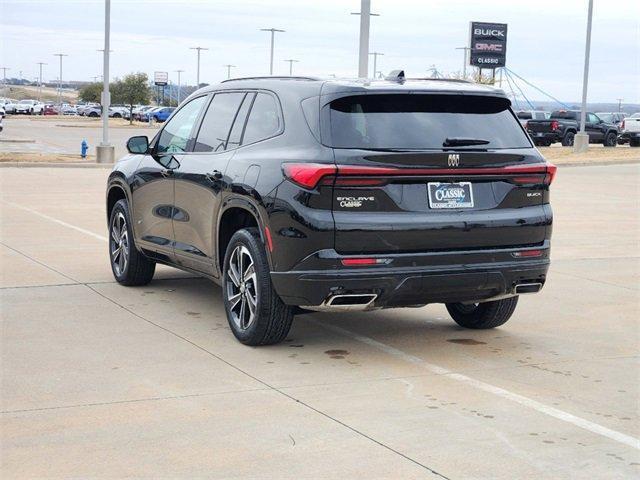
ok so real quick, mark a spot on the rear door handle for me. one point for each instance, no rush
(214, 176)
(166, 172)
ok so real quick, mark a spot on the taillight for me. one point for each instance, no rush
(362, 262)
(526, 125)
(622, 125)
(307, 174)
(554, 125)
(527, 253)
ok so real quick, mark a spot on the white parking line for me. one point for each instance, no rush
(486, 387)
(55, 220)
(500, 392)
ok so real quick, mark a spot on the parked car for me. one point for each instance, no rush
(50, 109)
(29, 107)
(144, 116)
(119, 111)
(92, 111)
(138, 113)
(8, 104)
(631, 130)
(67, 109)
(563, 125)
(526, 115)
(1, 127)
(341, 195)
(2, 112)
(161, 114)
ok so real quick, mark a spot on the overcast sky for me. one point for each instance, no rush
(545, 40)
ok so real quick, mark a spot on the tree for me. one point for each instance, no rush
(131, 90)
(91, 93)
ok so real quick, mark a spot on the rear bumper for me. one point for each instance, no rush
(629, 135)
(429, 278)
(545, 136)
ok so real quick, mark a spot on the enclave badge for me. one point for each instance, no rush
(453, 160)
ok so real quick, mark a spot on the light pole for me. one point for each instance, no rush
(581, 140)
(375, 61)
(198, 49)
(60, 77)
(179, 85)
(464, 61)
(291, 62)
(4, 75)
(273, 33)
(620, 103)
(40, 64)
(105, 152)
(229, 67)
(365, 21)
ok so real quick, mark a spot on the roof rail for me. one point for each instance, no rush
(271, 77)
(452, 80)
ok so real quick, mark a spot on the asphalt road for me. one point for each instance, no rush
(100, 380)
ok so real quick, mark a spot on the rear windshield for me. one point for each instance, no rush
(416, 121)
(524, 115)
(564, 115)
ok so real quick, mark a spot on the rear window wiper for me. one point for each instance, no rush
(461, 142)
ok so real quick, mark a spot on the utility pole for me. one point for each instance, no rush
(273, 34)
(105, 152)
(229, 67)
(60, 77)
(4, 75)
(291, 62)
(375, 61)
(198, 49)
(581, 140)
(620, 103)
(363, 52)
(40, 64)
(464, 61)
(179, 85)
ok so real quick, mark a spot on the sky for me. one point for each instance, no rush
(546, 39)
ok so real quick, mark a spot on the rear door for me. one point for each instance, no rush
(594, 128)
(433, 172)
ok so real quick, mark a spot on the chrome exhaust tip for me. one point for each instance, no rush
(526, 288)
(345, 302)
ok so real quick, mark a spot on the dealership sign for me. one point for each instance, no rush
(161, 78)
(488, 44)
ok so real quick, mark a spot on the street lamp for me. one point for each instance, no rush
(365, 21)
(4, 75)
(273, 32)
(179, 87)
(464, 61)
(229, 67)
(60, 76)
(375, 62)
(105, 152)
(291, 62)
(581, 140)
(198, 49)
(40, 64)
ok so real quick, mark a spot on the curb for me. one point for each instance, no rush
(54, 165)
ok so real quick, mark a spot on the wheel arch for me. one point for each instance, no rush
(237, 213)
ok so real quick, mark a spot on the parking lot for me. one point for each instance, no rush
(100, 380)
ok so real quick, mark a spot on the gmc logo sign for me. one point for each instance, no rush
(489, 47)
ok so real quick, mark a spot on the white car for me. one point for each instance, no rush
(8, 104)
(631, 130)
(2, 113)
(29, 107)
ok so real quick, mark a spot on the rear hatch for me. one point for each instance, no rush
(422, 172)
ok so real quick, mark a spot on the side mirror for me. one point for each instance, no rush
(138, 144)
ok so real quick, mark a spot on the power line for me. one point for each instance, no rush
(538, 89)
(520, 90)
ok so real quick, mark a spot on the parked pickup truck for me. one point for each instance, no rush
(631, 130)
(563, 126)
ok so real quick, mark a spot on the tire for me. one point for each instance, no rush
(634, 142)
(117, 115)
(610, 139)
(567, 140)
(129, 266)
(483, 315)
(245, 282)
(93, 114)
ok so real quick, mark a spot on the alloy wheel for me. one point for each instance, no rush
(119, 244)
(242, 288)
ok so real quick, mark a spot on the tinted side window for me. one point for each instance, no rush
(235, 138)
(217, 122)
(176, 133)
(592, 118)
(264, 119)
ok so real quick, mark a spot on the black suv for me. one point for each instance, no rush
(300, 194)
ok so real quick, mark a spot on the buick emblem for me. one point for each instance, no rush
(453, 160)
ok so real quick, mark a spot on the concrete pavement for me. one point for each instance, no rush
(100, 380)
